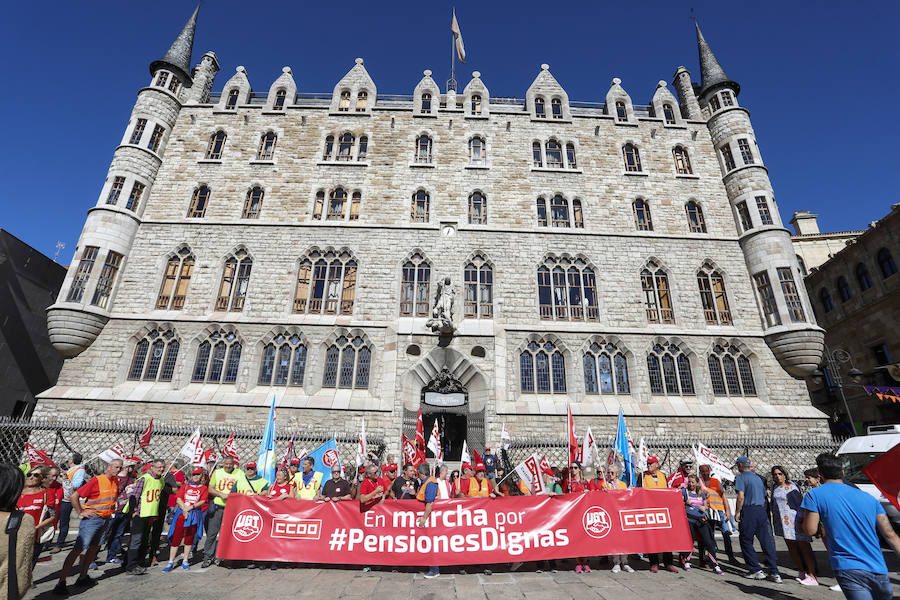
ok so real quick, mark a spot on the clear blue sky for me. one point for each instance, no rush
(820, 79)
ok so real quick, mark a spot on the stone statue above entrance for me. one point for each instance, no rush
(441, 320)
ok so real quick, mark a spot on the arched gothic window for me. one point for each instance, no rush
(231, 102)
(319, 205)
(825, 297)
(344, 104)
(577, 214)
(235, 281)
(713, 297)
(347, 364)
(328, 154)
(730, 372)
(477, 151)
(362, 101)
(476, 104)
(696, 222)
(199, 201)
(537, 156)
(642, 218)
(886, 263)
(559, 212)
(844, 289)
(556, 108)
(554, 154)
(605, 370)
(542, 369)
(337, 203)
(571, 161)
(682, 160)
(668, 114)
(479, 289)
(280, 97)
(253, 203)
(345, 147)
(670, 371)
(363, 148)
(216, 145)
(632, 158)
(283, 361)
(218, 358)
(176, 281)
(266, 146)
(426, 103)
(414, 291)
(326, 283)
(420, 207)
(567, 290)
(862, 277)
(621, 111)
(657, 297)
(423, 149)
(477, 209)
(354, 206)
(540, 110)
(154, 357)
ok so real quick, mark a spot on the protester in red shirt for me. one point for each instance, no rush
(598, 482)
(680, 476)
(462, 484)
(282, 487)
(389, 473)
(188, 514)
(32, 500)
(370, 491)
(578, 486)
(174, 476)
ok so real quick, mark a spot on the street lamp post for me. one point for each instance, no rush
(839, 355)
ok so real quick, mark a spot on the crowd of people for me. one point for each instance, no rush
(151, 502)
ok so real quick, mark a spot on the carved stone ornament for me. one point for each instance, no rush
(441, 320)
(444, 383)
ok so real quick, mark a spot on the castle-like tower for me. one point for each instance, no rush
(488, 260)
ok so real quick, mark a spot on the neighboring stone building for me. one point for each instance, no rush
(856, 294)
(29, 364)
(812, 246)
(245, 244)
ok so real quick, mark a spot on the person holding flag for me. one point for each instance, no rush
(188, 516)
(221, 483)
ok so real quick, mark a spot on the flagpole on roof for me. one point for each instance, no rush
(451, 83)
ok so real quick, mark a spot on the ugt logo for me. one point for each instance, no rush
(247, 525)
(330, 458)
(596, 522)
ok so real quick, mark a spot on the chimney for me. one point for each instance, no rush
(805, 222)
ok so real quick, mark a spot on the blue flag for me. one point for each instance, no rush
(621, 447)
(326, 456)
(265, 460)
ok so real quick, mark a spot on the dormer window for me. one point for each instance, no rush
(426, 103)
(621, 113)
(476, 104)
(344, 104)
(280, 96)
(231, 102)
(556, 108)
(539, 109)
(362, 101)
(668, 114)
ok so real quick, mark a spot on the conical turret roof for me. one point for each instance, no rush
(711, 72)
(178, 57)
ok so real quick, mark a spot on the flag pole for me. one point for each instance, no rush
(451, 84)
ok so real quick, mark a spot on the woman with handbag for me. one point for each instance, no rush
(36, 501)
(786, 498)
(16, 535)
(696, 505)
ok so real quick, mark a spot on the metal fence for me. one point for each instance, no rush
(60, 439)
(793, 453)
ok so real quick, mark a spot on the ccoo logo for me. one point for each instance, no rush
(330, 458)
(247, 525)
(596, 522)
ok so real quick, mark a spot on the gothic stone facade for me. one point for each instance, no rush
(242, 219)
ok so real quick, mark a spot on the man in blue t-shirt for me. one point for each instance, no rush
(852, 520)
(753, 521)
(428, 493)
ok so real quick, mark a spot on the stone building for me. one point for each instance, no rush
(856, 295)
(248, 243)
(814, 247)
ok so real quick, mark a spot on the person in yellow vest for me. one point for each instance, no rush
(654, 479)
(308, 481)
(221, 484)
(480, 486)
(144, 510)
(255, 483)
(99, 496)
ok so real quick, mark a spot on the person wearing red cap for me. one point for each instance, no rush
(293, 469)
(258, 484)
(462, 484)
(388, 475)
(654, 479)
(188, 516)
(480, 486)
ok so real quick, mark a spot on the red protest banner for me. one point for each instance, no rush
(458, 532)
(884, 474)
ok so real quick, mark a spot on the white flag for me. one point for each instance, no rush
(588, 448)
(504, 437)
(193, 449)
(434, 444)
(643, 455)
(530, 474)
(718, 468)
(114, 452)
(361, 450)
(466, 457)
(457, 38)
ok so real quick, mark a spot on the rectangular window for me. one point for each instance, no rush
(746, 153)
(135, 197)
(107, 279)
(791, 296)
(115, 190)
(765, 217)
(767, 298)
(156, 138)
(173, 85)
(85, 266)
(714, 103)
(728, 157)
(726, 98)
(744, 215)
(138, 131)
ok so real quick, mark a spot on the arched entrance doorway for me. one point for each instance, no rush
(445, 400)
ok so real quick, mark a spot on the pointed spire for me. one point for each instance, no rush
(178, 57)
(711, 72)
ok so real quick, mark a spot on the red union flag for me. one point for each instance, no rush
(145, 436)
(411, 454)
(457, 532)
(885, 475)
(545, 466)
(37, 457)
(530, 473)
(230, 448)
(420, 434)
(573, 439)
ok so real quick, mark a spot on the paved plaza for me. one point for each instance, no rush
(220, 583)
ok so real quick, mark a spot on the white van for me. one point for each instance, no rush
(857, 452)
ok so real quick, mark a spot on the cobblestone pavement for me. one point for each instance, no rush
(222, 583)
